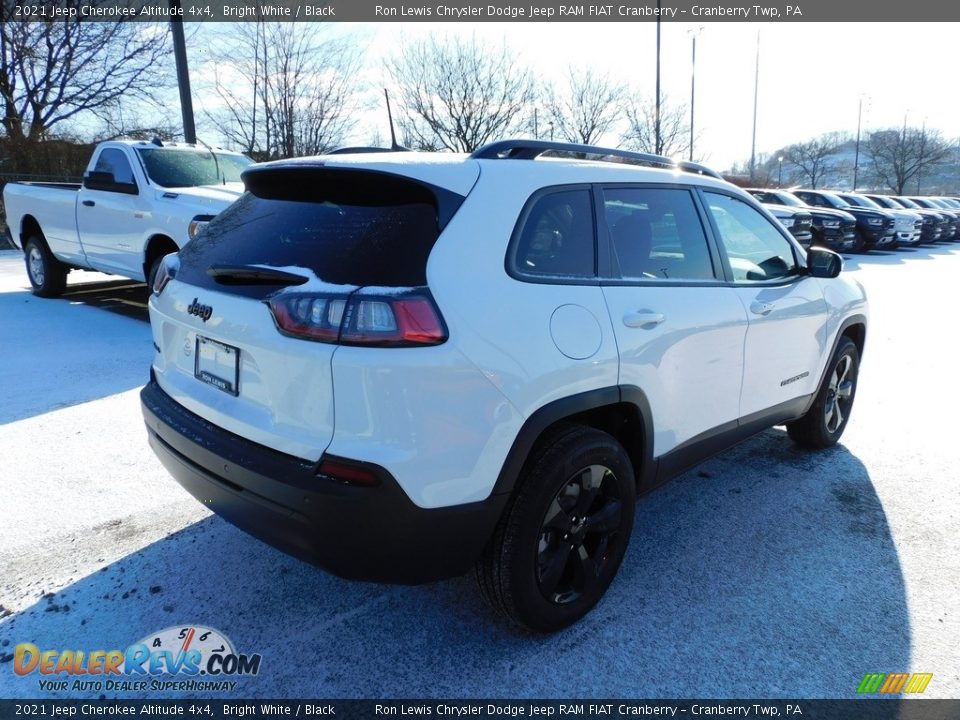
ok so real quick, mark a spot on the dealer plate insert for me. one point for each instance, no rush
(217, 364)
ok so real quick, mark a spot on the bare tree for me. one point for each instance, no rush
(641, 133)
(899, 156)
(813, 156)
(51, 71)
(458, 95)
(587, 108)
(285, 88)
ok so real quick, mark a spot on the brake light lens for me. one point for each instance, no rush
(166, 272)
(407, 317)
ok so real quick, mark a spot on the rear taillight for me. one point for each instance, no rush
(166, 272)
(404, 318)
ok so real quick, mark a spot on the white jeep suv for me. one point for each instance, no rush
(400, 366)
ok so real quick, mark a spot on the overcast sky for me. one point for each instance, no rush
(812, 75)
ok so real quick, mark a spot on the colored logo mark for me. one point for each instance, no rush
(894, 683)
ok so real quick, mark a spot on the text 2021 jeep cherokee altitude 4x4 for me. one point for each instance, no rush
(401, 366)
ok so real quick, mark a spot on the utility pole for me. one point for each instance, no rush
(756, 88)
(183, 74)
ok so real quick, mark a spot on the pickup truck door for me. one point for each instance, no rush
(111, 215)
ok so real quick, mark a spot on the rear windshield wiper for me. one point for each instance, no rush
(253, 275)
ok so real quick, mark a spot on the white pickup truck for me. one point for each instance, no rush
(138, 202)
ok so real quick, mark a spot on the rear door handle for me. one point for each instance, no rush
(761, 308)
(89, 203)
(642, 318)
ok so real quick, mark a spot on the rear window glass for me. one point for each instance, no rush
(556, 237)
(370, 230)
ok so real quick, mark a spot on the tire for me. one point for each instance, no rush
(48, 276)
(827, 418)
(152, 272)
(561, 540)
(860, 245)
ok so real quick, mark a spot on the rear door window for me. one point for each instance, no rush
(656, 234)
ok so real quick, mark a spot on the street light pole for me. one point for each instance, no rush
(856, 156)
(780, 171)
(693, 81)
(923, 149)
(659, 148)
(756, 88)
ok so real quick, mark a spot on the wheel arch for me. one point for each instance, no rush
(620, 411)
(854, 328)
(157, 246)
(29, 226)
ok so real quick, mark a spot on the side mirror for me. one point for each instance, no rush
(99, 181)
(823, 263)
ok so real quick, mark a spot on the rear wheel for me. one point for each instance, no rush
(562, 539)
(826, 420)
(48, 276)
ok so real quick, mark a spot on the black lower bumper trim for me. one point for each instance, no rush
(360, 533)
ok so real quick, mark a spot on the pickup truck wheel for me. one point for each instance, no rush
(154, 269)
(48, 276)
(562, 539)
(860, 243)
(826, 420)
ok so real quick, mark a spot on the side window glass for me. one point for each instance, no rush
(557, 237)
(114, 161)
(756, 249)
(656, 233)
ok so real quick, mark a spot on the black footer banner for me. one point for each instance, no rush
(866, 709)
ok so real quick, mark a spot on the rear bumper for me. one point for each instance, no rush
(355, 532)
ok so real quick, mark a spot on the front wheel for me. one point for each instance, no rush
(48, 276)
(826, 420)
(562, 539)
(860, 244)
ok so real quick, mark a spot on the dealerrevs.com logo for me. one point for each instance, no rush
(179, 658)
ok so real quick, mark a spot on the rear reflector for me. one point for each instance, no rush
(349, 474)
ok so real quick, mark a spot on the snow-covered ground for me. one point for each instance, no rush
(766, 571)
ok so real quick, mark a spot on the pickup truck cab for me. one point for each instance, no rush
(138, 202)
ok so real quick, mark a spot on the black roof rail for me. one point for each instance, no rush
(531, 149)
(367, 149)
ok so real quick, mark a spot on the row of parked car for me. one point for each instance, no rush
(857, 222)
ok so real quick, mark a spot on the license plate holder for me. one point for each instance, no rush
(217, 364)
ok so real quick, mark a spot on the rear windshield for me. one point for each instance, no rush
(346, 227)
